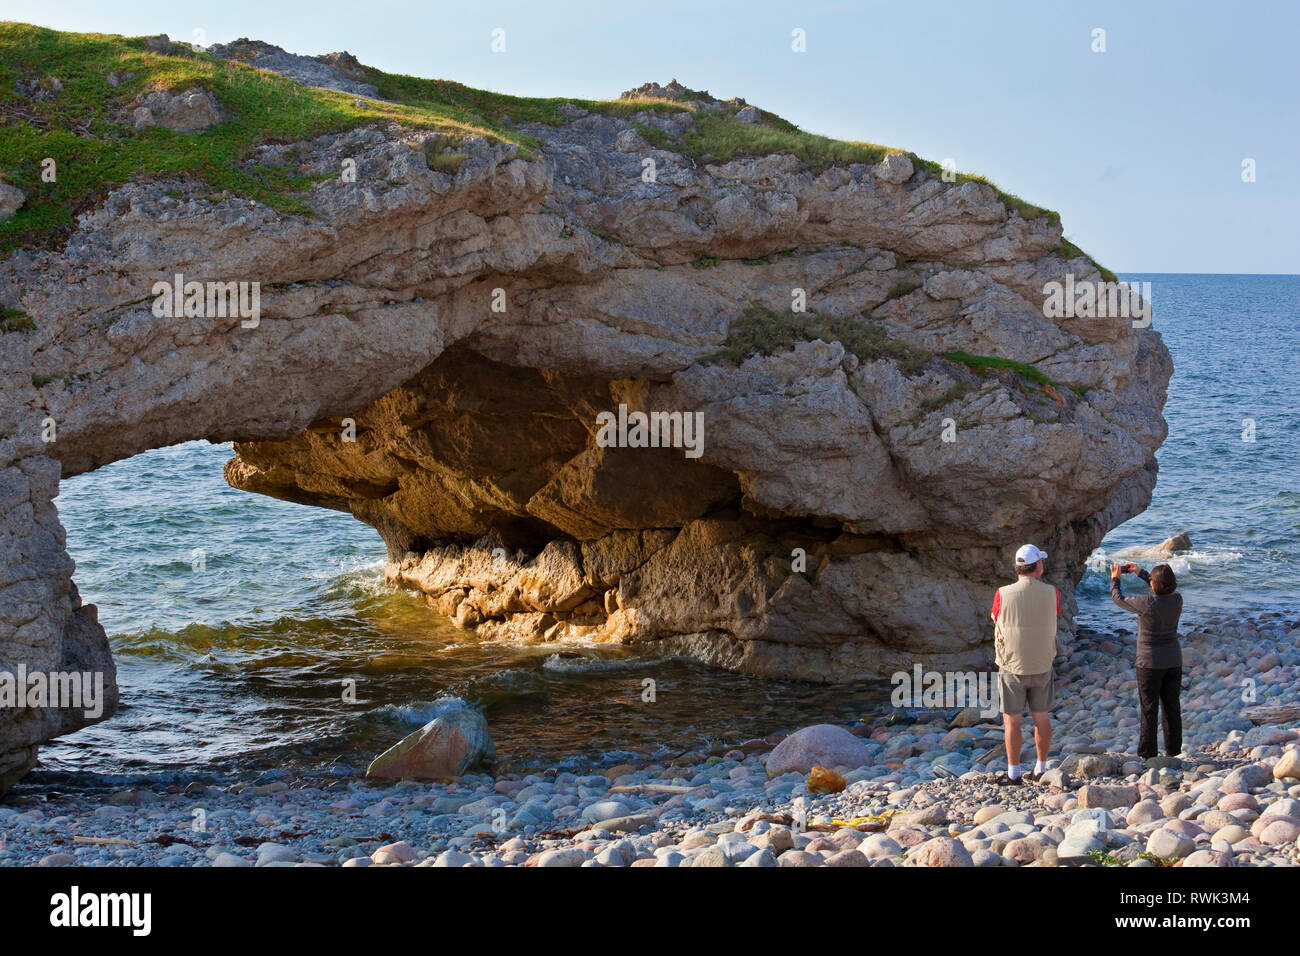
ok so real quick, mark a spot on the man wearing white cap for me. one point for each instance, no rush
(1024, 638)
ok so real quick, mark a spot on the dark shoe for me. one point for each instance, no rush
(1005, 781)
(1030, 777)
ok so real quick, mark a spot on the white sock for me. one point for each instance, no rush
(1013, 771)
(1040, 766)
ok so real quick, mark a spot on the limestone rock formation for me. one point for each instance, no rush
(437, 341)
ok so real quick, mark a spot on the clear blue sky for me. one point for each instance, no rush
(1140, 147)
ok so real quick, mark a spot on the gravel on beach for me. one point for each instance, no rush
(1232, 799)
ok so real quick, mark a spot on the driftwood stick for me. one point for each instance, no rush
(1273, 715)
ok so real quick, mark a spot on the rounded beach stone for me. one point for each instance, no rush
(1166, 843)
(825, 745)
(940, 851)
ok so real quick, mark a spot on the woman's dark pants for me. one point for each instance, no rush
(1158, 689)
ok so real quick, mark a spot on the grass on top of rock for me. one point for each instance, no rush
(759, 330)
(56, 103)
(1069, 250)
(718, 137)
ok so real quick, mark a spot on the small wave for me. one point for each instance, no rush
(420, 712)
(1100, 560)
(352, 569)
(558, 663)
(1185, 562)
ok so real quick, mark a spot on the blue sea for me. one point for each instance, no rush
(238, 622)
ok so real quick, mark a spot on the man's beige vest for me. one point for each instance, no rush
(1024, 634)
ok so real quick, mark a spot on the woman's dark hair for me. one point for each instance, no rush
(1163, 580)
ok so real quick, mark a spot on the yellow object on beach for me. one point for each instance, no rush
(869, 818)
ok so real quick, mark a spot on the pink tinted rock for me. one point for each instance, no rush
(848, 858)
(940, 851)
(1279, 831)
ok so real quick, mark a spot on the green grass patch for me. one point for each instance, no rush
(1158, 860)
(719, 137)
(16, 320)
(85, 130)
(983, 363)
(1068, 250)
(763, 331)
(655, 137)
(1104, 858)
(497, 112)
(441, 154)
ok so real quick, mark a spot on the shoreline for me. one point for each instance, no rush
(722, 809)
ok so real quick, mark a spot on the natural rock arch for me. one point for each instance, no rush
(475, 454)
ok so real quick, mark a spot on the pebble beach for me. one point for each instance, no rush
(924, 795)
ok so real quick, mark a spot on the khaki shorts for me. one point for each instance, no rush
(1015, 689)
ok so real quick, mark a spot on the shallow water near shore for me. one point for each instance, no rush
(236, 619)
(241, 663)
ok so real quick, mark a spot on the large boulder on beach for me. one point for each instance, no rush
(824, 745)
(444, 748)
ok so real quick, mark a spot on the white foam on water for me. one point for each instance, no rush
(359, 571)
(421, 712)
(1100, 560)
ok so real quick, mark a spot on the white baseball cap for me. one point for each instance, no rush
(1029, 554)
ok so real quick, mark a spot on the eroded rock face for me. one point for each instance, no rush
(473, 326)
